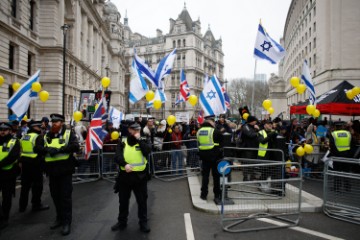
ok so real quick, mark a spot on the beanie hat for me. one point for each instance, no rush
(251, 119)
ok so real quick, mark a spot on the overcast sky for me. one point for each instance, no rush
(235, 21)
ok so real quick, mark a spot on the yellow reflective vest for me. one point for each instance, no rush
(262, 147)
(27, 143)
(205, 138)
(342, 139)
(134, 157)
(58, 143)
(4, 152)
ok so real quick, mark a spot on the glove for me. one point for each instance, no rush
(52, 151)
(63, 150)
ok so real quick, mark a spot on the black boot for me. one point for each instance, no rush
(55, 224)
(144, 227)
(118, 226)
(66, 229)
(40, 207)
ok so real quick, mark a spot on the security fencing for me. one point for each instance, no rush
(87, 170)
(271, 194)
(175, 164)
(109, 168)
(342, 189)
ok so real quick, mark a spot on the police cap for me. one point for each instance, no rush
(135, 126)
(210, 117)
(57, 117)
(5, 125)
(35, 124)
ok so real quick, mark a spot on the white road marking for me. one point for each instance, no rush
(300, 229)
(188, 227)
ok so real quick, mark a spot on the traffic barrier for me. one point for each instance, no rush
(87, 170)
(268, 195)
(342, 189)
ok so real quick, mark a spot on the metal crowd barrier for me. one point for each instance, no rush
(271, 196)
(175, 164)
(109, 168)
(87, 170)
(342, 189)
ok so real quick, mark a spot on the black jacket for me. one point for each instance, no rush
(217, 152)
(13, 156)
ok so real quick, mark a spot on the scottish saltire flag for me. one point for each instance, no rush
(306, 77)
(96, 132)
(212, 99)
(226, 97)
(162, 70)
(138, 86)
(200, 117)
(159, 95)
(116, 117)
(184, 89)
(267, 48)
(20, 101)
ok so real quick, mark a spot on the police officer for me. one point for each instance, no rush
(131, 155)
(60, 145)
(341, 145)
(210, 143)
(32, 166)
(9, 154)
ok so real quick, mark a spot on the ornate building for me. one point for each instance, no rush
(325, 33)
(31, 38)
(197, 54)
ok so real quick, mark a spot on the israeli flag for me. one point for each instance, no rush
(306, 77)
(144, 69)
(20, 101)
(138, 86)
(116, 117)
(267, 48)
(159, 95)
(212, 98)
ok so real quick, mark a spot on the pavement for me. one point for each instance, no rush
(250, 200)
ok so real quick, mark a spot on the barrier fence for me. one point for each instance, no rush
(87, 170)
(270, 194)
(342, 189)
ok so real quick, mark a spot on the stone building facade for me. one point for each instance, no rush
(325, 33)
(31, 38)
(198, 54)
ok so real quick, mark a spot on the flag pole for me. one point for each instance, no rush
(253, 89)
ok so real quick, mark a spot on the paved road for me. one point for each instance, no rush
(95, 209)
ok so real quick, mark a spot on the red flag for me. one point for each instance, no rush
(200, 118)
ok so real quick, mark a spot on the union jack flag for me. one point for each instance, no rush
(184, 89)
(226, 96)
(200, 118)
(96, 133)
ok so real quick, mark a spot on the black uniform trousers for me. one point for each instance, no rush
(31, 178)
(136, 182)
(61, 191)
(7, 187)
(208, 165)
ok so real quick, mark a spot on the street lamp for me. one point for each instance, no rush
(64, 28)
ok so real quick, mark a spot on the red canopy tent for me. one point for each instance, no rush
(333, 102)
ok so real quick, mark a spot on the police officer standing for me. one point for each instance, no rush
(32, 168)
(9, 154)
(60, 145)
(131, 155)
(210, 151)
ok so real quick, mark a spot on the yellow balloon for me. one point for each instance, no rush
(15, 86)
(149, 95)
(300, 151)
(301, 88)
(316, 113)
(245, 116)
(170, 130)
(308, 148)
(350, 94)
(310, 109)
(295, 81)
(193, 100)
(157, 104)
(25, 118)
(356, 90)
(77, 116)
(115, 135)
(171, 119)
(105, 82)
(36, 87)
(1, 80)
(44, 96)
(271, 110)
(267, 104)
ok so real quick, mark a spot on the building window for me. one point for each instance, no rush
(179, 43)
(14, 8)
(309, 62)
(314, 74)
(32, 15)
(314, 57)
(174, 44)
(314, 45)
(30, 63)
(11, 57)
(314, 11)
(310, 47)
(309, 32)
(314, 28)
(184, 42)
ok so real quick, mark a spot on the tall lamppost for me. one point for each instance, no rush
(64, 28)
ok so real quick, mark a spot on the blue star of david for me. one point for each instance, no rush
(211, 95)
(266, 46)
